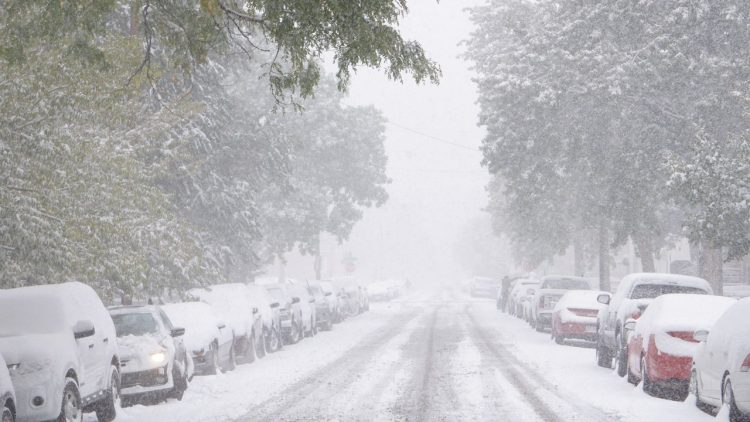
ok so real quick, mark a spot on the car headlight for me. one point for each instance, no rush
(13, 367)
(158, 357)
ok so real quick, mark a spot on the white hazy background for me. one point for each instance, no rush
(437, 188)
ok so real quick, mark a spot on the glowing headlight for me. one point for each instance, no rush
(158, 357)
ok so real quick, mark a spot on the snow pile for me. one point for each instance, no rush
(199, 321)
(231, 302)
(680, 313)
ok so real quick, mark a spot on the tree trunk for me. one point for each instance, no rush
(318, 264)
(579, 260)
(711, 266)
(282, 268)
(604, 257)
(645, 249)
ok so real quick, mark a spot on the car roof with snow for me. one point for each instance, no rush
(688, 312)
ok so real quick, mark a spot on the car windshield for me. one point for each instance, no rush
(134, 324)
(31, 315)
(651, 291)
(565, 284)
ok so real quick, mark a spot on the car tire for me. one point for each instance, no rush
(622, 356)
(180, 381)
(274, 343)
(559, 339)
(603, 356)
(727, 398)
(631, 377)
(106, 410)
(648, 388)
(314, 329)
(7, 415)
(70, 409)
(215, 366)
(259, 347)
(232, 362)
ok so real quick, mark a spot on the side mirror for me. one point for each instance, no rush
(295, 300)
(275, 305)
(603, 299)
(177, 332)
(700, 335)
(629, 325)
(221, 325)
(255, 310)
(83, 329)
(327, 293)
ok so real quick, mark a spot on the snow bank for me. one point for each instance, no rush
(199, 321)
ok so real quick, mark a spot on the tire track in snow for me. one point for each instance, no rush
(548, 403)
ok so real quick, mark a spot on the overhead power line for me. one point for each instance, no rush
(434, 138)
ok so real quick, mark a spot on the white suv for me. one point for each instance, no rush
(60, 345)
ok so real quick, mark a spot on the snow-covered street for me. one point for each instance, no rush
(424, 357)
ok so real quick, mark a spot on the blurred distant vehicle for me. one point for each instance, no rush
(207, 338)
(662, 343)
(234, 306)
(721, 364)
(270, 315)
(633, 295)
(153, 360)
(325, 305)
(333, 298)
(351, 295)
(551, 289)
(484, 287)
(7, 394)
(307, 305)
(290, 312)
(60, 348)
(385, 290)
(574, 315)
(522, 289)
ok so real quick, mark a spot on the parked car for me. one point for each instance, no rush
(633, 295)
(208, 339)
(7, 394)
(484, 287)
(269, 312)
(309, 310)
(551, 289)
(60, 345)
(384, 290)
(721, 364)
(153, 361)
(233, 304)
(290, 312)
(662, 344)
(574, 315)
(519, 294)
(333, 298)
(350, 294)
(324, 305)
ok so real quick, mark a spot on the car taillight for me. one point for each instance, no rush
(584, 312)
(745, 364)
(683, 335)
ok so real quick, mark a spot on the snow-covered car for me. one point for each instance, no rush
(333, 299)
(351, 297)
(233, 304)
(60, 345)
(153, 361)
(484, 287)
(661, 344)
(324, 307)
(269, 312)
(208, 339)
(721, 364)
(290, 311)
(574, 315)
(381, 291)
(307, 305)
(632, 297)
(7, 394)
(520, 293)
(551, 289)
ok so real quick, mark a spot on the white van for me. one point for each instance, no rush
(60, 345)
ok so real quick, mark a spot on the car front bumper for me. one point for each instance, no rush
(145, 382)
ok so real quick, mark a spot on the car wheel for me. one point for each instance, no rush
(259, 347)
(215, 367)
(559, 339)
(106, 411)
(648, 388)
(603, 356)
(727, 398)
(622, 357)
(631, 376)
(7, 413)
(180, 381)
(232, 362)
(273, 341)
(294, 333)
(71, 409)
(314, 328)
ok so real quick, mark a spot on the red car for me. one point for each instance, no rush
(574, 315)
(661, 343)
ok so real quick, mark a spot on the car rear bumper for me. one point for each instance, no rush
(668, 368)
(577, 330)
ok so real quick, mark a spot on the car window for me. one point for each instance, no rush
(650, 291)
(165, 320)
(135, 324)
(566, 284)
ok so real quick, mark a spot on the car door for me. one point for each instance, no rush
(712, 371)
(179, 344)
(91, 351)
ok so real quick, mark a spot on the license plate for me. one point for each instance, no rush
(590, 329)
